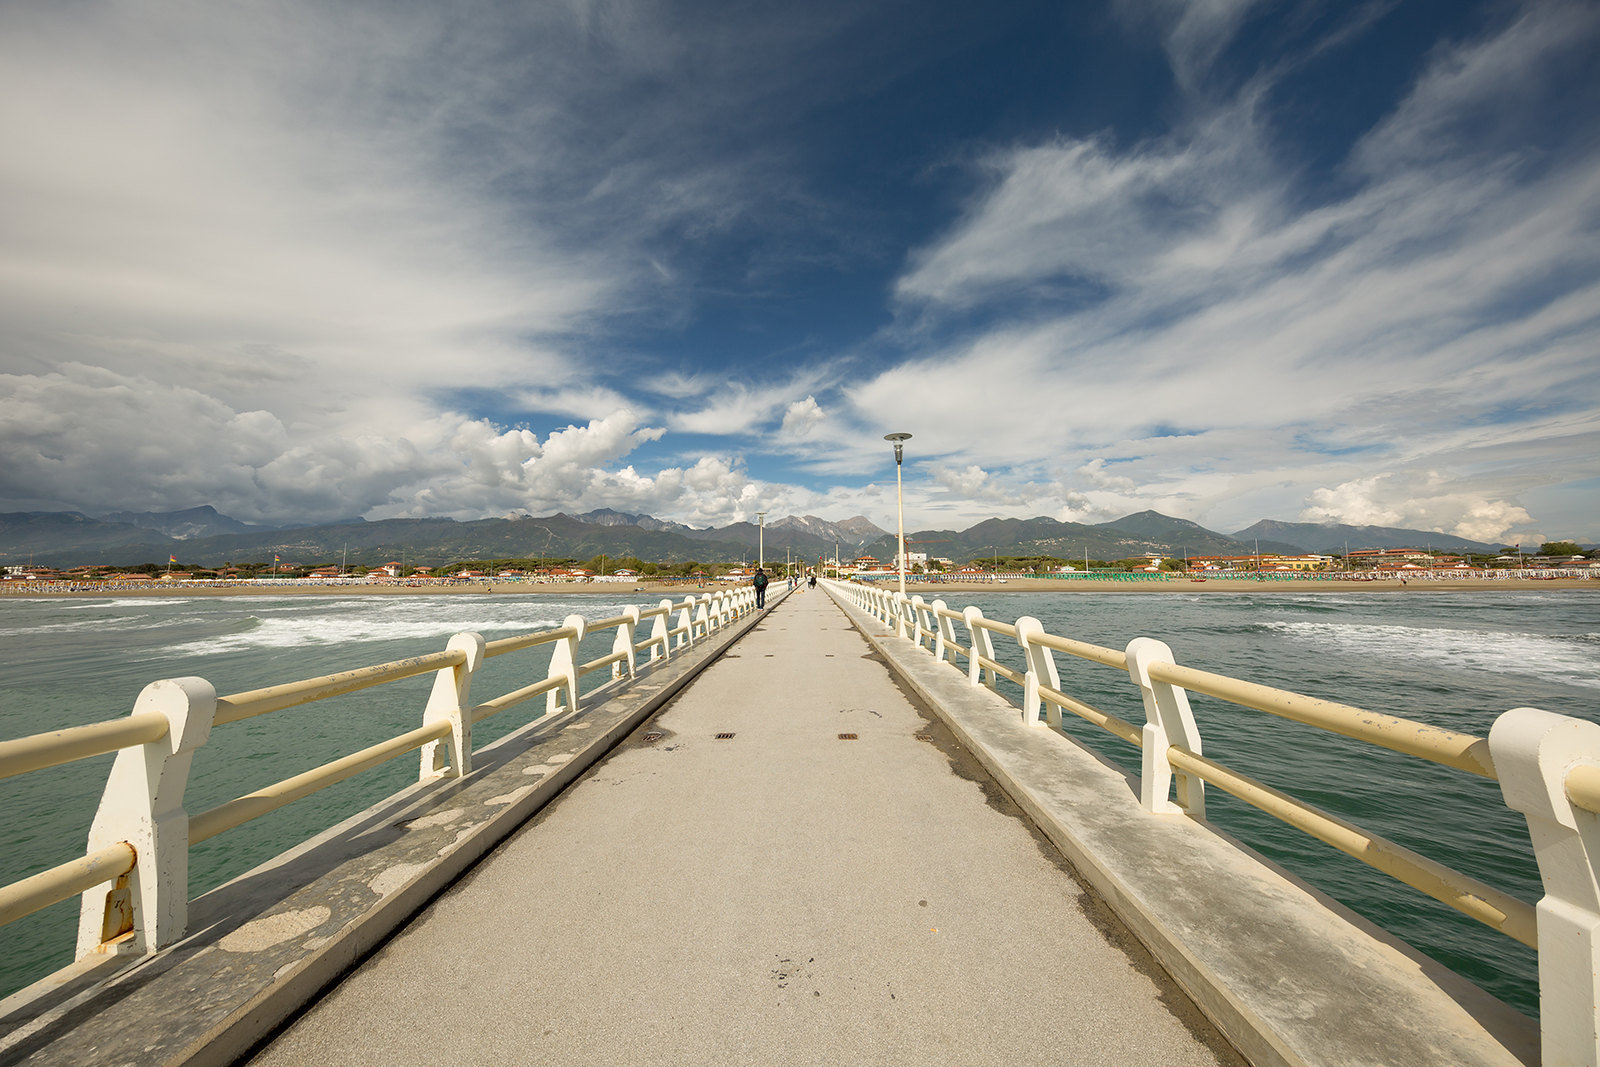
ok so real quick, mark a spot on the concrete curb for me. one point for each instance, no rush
(268, 942)
(1288, 975)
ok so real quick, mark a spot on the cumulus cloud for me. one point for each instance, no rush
(802, 417)
(1094, 472)
(1423, 503)
(368, 270)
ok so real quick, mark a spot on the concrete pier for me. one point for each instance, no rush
(836, 881)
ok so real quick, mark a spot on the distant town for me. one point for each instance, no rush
(1554, 557)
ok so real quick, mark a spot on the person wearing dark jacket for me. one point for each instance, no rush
(760, 582)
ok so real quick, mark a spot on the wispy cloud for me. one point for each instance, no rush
(1450, 295)
(305, 261)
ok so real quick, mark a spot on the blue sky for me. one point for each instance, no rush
(1228, 259)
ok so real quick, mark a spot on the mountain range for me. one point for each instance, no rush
(204, 536)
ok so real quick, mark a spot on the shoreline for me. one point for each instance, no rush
(928, 590)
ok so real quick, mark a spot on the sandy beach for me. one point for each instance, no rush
(928, 590)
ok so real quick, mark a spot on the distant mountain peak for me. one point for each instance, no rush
(856, 528)
(201, 521)
(1333, 537)
(611, 517)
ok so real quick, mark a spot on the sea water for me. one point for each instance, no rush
(1452, 659)
(67, 662)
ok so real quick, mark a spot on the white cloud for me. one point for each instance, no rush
(1188, 311)
(802, 417)
(1475, 99)
(1094, 472)
(1425, 502)
(1194, 31)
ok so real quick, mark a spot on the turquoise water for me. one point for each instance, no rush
(1452, 659)
(69, 662)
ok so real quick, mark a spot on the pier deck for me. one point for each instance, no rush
(779, 894)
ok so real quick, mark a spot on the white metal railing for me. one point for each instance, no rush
(1547, 765)
(140, 837)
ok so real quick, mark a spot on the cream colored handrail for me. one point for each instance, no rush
(1492, 907)
(82, 874)
(515, 697)
(1111, 657)
(1110, 723)
(1495, 909)
(1583, 786)
(64, 881)
(542, 637)
(52, 749)
(603, 661)
(1461, 751)
(209, 824)
(1003, 671)
(290, 694)
(997, 627)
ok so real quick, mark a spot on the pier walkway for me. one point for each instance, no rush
(791, 862)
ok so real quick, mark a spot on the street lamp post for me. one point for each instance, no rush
(761, 540)
(899, 441)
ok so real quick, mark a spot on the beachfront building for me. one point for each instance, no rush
(1372, 557)
(1266, 561)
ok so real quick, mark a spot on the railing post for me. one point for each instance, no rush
(982, 645)
(451, 699)
(1041, 670)
(660, 640)
(143, 805)
(1168, 722)
(686, 621)
(1533, 752)
(702, 617)
(564, 665)
(919, 611)
(624, 643)
(902, 607)
(946, 637)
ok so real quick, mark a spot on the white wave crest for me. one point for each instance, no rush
(363, 621)
(1573, 660)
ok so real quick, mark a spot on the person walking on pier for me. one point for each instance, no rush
(760, 582)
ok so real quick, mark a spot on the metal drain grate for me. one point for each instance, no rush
(725, 736)
(924, 737)
(849, 737)
(654, 735)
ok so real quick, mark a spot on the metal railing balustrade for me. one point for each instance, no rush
(139, 839)
(1547, 765)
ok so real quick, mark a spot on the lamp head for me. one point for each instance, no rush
(899, 441)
